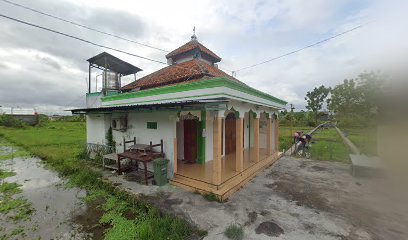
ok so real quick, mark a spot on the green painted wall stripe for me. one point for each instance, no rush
(205, 84)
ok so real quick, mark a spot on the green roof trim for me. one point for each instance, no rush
(189, 86)
(93, 94)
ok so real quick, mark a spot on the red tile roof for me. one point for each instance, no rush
(193, 44)
(193, 70)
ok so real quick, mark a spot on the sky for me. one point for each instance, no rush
(49, 72)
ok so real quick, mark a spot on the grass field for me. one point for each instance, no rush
(286, 139)
(58, 144)
(364, 139)
(320, 148)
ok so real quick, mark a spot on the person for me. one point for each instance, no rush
(304, 144)
(308, 138)
(297, 135)
(304, 139)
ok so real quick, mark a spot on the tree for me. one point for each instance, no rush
(356, 97)
(345, 99)
(370, 84)
(315, 100)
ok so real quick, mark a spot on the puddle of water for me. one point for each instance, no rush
(5, 150)
(57, 209)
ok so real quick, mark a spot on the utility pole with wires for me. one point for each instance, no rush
(291, 128)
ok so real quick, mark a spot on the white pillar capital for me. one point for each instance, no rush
(215, 114)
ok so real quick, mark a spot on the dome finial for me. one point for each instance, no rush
(194, 37)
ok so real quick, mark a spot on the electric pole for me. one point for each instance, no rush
(291, 128)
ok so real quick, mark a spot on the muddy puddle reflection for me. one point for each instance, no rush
(59, 211)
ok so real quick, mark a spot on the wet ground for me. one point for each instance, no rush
(59, 212)
(293, 199)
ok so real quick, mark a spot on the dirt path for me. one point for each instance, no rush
(372, 207)
(293, 199)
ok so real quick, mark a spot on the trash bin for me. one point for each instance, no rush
(160, 171)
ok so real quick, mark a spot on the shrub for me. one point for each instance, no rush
(311, 124)
(352, 122)
(10, 121)
(83, 154)
(110, 140)
(234, 231)
(42, 120)
(212, 197)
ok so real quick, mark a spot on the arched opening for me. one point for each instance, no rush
(230, 133)
(187, 138)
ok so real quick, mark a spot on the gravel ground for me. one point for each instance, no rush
(293, 199)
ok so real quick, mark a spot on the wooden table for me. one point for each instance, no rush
(139, 146)
(144, 148)
(139, 157)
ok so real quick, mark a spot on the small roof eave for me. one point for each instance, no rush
(106, 60)
(143, 107)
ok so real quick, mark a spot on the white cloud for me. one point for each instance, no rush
(52, 69)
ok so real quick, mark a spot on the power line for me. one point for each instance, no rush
(225, 69)
(83, 26)
(92, 43)
(301, 49)
(80, 25)
(80, 39)
(233, 72)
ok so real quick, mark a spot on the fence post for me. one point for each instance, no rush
(331, 151)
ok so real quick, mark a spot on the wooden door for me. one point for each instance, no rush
(230, 134)
(190, 140)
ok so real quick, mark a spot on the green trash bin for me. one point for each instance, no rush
(160, 171)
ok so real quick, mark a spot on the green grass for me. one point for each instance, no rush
(365, 139)
(53, 133)
(286, 139)
(212, 197)
(16, 152)
(59, 144)
(17, 231)
(4, 174)
(133, 220)
(10, 188)
(320, 149)
(234, 232)
(17, 208)
(20, 153)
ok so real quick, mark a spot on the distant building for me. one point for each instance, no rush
(54, 117)
(27, 115)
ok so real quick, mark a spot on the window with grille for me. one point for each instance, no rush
(151, 125)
